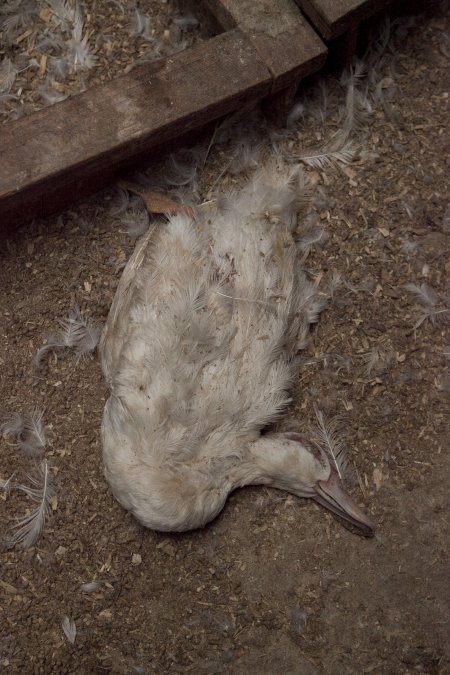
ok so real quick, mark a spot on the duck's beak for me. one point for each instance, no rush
(330, 494)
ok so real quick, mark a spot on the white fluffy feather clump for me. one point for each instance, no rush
(200, 345)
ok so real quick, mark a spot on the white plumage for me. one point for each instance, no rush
(199, 353)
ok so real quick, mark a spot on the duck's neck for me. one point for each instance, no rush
(271, 460)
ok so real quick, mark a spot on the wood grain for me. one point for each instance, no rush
(67, 151)
(72, 148)
(281, 35)
(333, 17)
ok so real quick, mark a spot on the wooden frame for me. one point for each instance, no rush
(65, 152)
(338, 21)
(332, 18)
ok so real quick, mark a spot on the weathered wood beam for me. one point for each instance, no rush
(281, 35)
(75, 147)
(69, 150)
(333, 18)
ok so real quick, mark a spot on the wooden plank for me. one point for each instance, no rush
(71, 149)
(334, 17)
(283, 38)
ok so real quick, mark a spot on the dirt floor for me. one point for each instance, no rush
(275, 584)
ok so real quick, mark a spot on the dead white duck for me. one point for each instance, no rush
(199, 353)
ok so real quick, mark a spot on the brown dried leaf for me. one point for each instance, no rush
(157, 202)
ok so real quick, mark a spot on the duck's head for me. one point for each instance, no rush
(292, 462)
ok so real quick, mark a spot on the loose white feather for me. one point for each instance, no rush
(8, 73)
(5, 485)
(328, 157)
(357, 107)
(27, 431)
(297, 113)
(409, 246)
(427, 296)
(140, 25)
(79, 52)
(329, 438)
(48, 94)
(423, 293)
(78, 333)
(136, 219)
(86, 333)
(446, 221)
(186, 22)
(378, 360)
(181, 171)
(70, 630)
(58, 67)
(29, 529)
(91, 586)
(246, 157)
(311, 234)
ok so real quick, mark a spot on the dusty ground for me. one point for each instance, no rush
(275, 584)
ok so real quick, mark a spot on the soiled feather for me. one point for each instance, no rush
(78, 333)
(70, 630)
(27, 431)
(91, 586)
(8, 73)
(427, 297)
(180, 171)
(18, 17)
(5, 485)
(408, 246)
(246, 157)
(357, 106)
(135, 221)
(186, 22)
(446, 221)
(423, 293)
(140, 25)
(310, 234)
(297, 113)
(29, 529)
(120, 203)
(378, 359)
(80, 54)
(59, 68)
(85, 334)
(48, 94)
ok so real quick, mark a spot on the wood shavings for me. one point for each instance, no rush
(82, 43)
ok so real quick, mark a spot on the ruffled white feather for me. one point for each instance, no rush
(29, 529)
(27, 431)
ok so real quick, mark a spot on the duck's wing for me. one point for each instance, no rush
(114, 332)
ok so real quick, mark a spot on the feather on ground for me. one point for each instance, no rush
(29, 529)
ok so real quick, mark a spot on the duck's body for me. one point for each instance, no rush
(199, 352)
